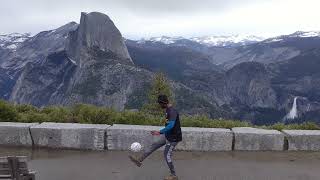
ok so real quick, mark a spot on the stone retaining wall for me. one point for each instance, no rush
(303, 140)
(15, 134)
(120, 137)
(205, 139)
(67, 135)
(253, 139)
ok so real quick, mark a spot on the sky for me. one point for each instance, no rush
(149, 18)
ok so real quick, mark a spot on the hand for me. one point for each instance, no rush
(155, 133)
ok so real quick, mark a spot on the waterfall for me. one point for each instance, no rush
(293, 112)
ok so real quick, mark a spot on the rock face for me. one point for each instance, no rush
(249, 84)
(45, 83)
(97, 31)
(32, 50)
(87, 63)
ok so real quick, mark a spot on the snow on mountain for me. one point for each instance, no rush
(162, 39)
(13, 40)
(306, 34)
(210, 40)
(298, 34)
(232, 40)
(227, 40)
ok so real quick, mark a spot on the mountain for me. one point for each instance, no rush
(253, 82)
(233, 40)
(176, 61)
(274, 50)
(247, 78)
(12, 41)
(299, 77)
(228, 51)
(82, 63)
(298, 34)
(86, 62)
(217, 41)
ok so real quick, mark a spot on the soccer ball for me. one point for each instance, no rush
(135, 147)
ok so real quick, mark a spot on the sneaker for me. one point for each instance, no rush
(135, 161)
(171, 177)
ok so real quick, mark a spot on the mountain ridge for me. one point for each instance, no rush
(92, 63)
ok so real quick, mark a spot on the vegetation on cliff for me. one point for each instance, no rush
(84, 113)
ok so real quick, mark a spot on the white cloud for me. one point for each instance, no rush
(145, 18)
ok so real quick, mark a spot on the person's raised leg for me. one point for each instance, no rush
(148, 152)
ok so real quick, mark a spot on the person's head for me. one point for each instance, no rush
(163, 101)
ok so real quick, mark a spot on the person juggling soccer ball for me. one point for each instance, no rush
(173, 134)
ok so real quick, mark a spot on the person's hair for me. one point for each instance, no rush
(163, 99)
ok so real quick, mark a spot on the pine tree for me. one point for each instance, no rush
(160, 85)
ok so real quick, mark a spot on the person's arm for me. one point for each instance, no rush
(171, 116)
(168, 127)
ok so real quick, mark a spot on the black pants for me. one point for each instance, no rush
(167, 152)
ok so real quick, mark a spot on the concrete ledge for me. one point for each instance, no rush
(120, 137)
(205, 139)
(15, 134)
(303, 140)
(67, 135)
(252, 139)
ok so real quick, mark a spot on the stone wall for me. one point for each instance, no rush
(253, 139)
(67, 135)
(15, 134)
(120, 137)
(205, 139)
(303, 140)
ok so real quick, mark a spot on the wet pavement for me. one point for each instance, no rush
(114, 165)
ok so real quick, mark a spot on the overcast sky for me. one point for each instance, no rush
(146, 18)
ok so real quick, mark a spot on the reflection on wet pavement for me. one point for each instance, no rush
(114, 165)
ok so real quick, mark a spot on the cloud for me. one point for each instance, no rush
(181, 6)
(144, 18)
(31, 15)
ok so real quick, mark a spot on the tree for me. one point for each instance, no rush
(160, 85)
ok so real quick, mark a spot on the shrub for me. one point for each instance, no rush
(84, 113)
(303, 126)
(25, 108)
(204, 121)
(57, 114)
(7, 112)
(33, 117)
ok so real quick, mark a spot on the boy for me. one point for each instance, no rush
(173, 134)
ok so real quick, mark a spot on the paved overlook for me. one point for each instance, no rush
(100, 152)
(114, 165)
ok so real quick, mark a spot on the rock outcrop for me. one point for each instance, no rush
(86, 63)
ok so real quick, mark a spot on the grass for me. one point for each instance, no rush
(90, 114)
(302, 126)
